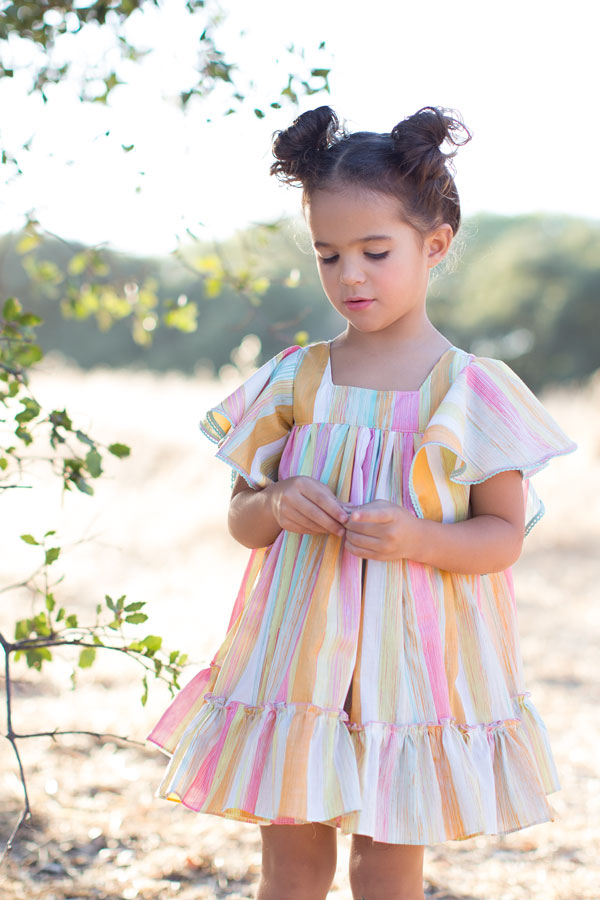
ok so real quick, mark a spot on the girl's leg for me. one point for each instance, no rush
(385, 871)
(298, 861)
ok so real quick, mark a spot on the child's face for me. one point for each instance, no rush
(374, 267)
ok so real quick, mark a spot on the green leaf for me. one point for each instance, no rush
(61, 419)
(259, 114)
(29, 539)
(22, 629)
(136, 618)
(22, 433)
(71, 621)
(110, 603)
(152, 642)
(301, 338)
(82, 485)
(320, 73)
(28, 355)
(60, 614)
(48, 533)
(52, 555)
(81, 436)
(35, 657)
(78, 263)
(28, 242)
(145, 693)
(28, 320)
(183, 318)
(94, 463)
(12, 309)
(133, 607)
(30, 411)
(50, 602)
(3, 463)
(40, 625)
(120, 450)
(86, 657)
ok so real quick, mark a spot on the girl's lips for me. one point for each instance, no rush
(358, 302)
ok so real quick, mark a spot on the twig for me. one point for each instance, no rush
(96, 734)
(10, 736)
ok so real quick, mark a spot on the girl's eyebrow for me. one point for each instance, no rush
(369, 237)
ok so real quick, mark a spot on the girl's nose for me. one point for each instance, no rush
(351, 275)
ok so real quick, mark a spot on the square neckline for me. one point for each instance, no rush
(356, 387)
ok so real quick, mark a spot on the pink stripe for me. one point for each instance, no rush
(179, 708)
(264, 745)
(201, 785)
(429, 628)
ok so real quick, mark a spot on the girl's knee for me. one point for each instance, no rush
(385, 871)
(298, 861)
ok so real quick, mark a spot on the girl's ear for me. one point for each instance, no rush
(437, 244)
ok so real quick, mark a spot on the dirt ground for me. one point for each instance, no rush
(156, 529)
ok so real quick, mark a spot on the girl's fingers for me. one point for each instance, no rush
(307, 515)
(367, 528)
(366, 515)
(323, 499)
(363, 542)
(360, 551)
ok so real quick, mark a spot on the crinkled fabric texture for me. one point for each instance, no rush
(384, 698)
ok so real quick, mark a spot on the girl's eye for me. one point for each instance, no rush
(328, 259)
(377, 255)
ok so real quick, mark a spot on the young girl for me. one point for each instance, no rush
(371, 678)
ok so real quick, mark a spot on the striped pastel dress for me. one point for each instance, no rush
(384, 698)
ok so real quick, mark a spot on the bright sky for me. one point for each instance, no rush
(523, 73)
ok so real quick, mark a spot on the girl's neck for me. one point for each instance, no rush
(422, 338)
(386, 361)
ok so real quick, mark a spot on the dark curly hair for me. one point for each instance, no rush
(315, 152)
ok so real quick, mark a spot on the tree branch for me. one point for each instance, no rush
(100, 735)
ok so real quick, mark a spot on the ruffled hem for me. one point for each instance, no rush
(489, 422)
(422, 783)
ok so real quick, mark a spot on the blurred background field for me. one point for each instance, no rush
(157, 533)
(523, 288)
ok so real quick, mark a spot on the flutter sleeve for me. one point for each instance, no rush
(488, 422)
(251, 425)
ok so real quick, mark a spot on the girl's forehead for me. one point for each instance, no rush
(341, 213)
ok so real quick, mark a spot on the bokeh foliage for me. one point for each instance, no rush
(524, 289)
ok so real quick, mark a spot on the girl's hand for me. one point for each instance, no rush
(381, 530)
(306, 506)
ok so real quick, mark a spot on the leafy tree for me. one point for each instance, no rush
(36, 42)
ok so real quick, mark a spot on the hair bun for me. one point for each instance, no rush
(418, 139)
(296, 148)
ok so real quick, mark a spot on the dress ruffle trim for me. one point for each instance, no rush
(488, 422)
(282, 763)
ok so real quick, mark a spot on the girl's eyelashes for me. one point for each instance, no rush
(332, 259)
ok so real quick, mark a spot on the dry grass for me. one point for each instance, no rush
(159, 519)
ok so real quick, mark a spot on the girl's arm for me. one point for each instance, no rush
(299, 504)
(490, 541)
